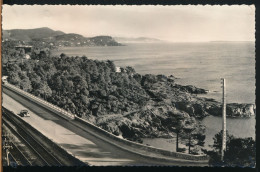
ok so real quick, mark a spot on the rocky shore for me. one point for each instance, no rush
(123, 102)
(167, 99)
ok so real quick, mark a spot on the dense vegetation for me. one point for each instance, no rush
(123, 102)
(240, 152)
(117, 101)
(78, 84)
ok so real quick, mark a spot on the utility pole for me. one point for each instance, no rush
(224, 129)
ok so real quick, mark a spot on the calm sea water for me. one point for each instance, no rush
(237, 127)
(199, 64)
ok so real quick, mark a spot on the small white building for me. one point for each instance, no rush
(27, 56)
(118, 69)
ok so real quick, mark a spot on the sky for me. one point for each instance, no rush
(191, 23)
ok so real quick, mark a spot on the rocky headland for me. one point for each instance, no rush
(166, 100)
(123, 102)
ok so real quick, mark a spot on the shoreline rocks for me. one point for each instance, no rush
(167, 99)
(240, 110)
(191, 89)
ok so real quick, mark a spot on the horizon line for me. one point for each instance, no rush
(135, 36)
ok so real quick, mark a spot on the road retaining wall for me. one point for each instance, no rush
(134, 147)
(106, 136)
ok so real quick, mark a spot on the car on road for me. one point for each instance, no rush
(24, 113)
(4, 79)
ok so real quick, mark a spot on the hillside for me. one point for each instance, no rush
(56, 38)
(30, 34)
(70, 40)
(124, 103)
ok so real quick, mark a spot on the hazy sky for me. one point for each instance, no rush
(172, 23)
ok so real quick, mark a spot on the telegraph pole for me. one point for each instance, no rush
(224, 129)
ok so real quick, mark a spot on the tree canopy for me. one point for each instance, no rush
(81, 81)
(240, 152)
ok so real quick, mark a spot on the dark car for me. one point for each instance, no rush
(24, 113)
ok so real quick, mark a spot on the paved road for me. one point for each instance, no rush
(76, 141)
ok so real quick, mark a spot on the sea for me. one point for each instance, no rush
(199, 64)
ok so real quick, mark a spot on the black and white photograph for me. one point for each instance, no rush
(128, 85)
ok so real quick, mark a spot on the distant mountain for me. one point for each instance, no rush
(137, 40)
(30, 34)
(57, 38)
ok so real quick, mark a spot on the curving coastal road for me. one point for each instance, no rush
(76, 141)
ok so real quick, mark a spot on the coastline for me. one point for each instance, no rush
(127, 103)
(192, 63)
(213, 126)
